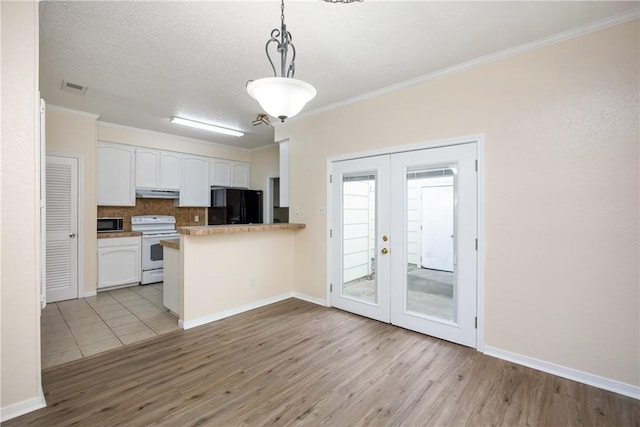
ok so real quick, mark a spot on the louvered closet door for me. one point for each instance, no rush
(62, 228)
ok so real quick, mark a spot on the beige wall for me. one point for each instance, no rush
(71, 133)
(216, 271)
(20, 219)
(265, 162)
(561, 173)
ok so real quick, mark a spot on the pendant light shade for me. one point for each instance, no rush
(281, 97)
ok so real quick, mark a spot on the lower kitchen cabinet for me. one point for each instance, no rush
(118, 261)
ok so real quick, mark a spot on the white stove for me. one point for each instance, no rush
(153, 228)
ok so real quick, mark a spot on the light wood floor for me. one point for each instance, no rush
(295, 363)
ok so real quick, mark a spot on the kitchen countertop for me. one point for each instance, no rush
(171, 243)
(237, 228)
(119, 234)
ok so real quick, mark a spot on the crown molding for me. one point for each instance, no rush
(486, 59)
(70, 110)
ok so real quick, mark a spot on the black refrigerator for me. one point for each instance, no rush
(235, 206)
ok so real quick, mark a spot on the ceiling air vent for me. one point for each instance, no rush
(73, 87)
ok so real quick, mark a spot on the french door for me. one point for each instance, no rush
(403, 243)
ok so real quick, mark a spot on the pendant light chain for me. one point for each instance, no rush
(282, 12)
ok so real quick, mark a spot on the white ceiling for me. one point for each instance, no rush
(145, 61)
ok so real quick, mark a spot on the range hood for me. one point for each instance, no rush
(157, 194)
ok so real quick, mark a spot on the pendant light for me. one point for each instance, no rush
(283, 96)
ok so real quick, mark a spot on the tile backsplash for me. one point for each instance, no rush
(184, 216)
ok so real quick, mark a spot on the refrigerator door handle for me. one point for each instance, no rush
(243, 209)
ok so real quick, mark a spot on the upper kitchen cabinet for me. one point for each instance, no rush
(170, 171)
(147, 168)
(220, 173)
(158, 170)
(240, 174)
(229, 173)
(195, 189)
(116, 175)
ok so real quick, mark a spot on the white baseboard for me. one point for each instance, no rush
(564, 372)
(307, 298)
(22, 408)
(232, 312)
(89, 294)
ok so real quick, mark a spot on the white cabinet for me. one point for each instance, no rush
(240, 174)
(116, 174)
(195, 189)
(158, 170)
(229, 173)
(147, 168)
(118, 261)
(220, 173)
(170, 170)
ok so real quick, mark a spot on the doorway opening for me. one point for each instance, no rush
(276, 213)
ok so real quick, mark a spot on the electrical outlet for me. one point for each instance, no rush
(196, 218)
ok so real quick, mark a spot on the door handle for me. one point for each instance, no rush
(72, 235)
(384, 251)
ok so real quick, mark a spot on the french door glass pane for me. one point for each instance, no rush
(431, 270)
(358, 234)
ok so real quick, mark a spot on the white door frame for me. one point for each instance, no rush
(269, 202)
(479, 140)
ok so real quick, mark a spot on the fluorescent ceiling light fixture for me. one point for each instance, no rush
(205, 126)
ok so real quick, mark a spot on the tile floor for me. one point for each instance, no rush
(83, 327)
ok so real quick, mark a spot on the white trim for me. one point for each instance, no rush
(309, 298)
(435, 143)
(329, 214)
(268, 203)
(82, 239)
(624, 389)
(70, 110)
(262, 147)
(233, 311)
(88, 294)
(482, 245)
(164, 134)
(486, 59)
(24, 407)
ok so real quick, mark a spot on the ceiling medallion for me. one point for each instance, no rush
(283, 96)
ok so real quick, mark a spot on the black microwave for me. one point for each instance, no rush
(109, 225)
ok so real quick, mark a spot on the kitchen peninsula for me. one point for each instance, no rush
(222, 270)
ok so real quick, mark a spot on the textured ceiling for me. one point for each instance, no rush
(145, 61)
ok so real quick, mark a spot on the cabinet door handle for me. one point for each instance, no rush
(72, 235)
